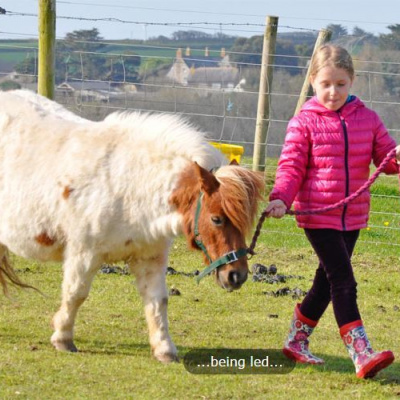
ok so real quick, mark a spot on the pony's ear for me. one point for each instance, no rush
(233, 162)
(209, 183)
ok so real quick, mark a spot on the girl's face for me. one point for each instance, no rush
(332, 86)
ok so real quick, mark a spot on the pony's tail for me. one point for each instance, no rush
(8, 275)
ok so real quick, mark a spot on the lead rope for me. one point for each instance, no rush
(321, 210)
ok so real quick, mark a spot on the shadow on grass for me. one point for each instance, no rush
(85, 346)
(342, 365)
(388, 376)
(97, 347)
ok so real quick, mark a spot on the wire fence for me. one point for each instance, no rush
(224, 107)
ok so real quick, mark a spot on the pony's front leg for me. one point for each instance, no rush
(150, 280)
(79, 271)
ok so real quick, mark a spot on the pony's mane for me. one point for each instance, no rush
(240, 190)
(170, 135)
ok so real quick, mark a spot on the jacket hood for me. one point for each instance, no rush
(313, 105)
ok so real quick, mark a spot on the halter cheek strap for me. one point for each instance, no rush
(227, 258)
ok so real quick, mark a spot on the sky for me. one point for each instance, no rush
(143, 19)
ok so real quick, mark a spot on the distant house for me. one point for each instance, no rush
(214, 77)
(87, 90)
(206, 72)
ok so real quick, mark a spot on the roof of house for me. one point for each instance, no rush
(214, 75)
(198, 62)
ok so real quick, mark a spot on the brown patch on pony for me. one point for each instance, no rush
(192, 180)
(66, 192)
(209, 184)
(240, 191)
(128, 242)
(239, 188)
(184, 196)
(187, 190)
(44, 239)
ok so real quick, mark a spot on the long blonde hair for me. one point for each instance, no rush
(334, 56)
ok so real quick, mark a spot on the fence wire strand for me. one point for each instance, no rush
(227, 113)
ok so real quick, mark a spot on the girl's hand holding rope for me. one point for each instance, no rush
(398, 152)
(276, 208)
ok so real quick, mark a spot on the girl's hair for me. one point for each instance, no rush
(334, 56)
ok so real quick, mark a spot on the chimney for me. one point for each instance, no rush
(179, 53)
(206, 53)
(187, 52)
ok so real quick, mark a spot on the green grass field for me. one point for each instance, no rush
(114, 359)
(15, 51)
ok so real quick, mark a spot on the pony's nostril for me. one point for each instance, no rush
(235, 278)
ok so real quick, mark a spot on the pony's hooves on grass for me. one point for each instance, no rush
(167, 358)
(67, 345)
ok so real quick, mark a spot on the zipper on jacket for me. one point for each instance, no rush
(346, 168)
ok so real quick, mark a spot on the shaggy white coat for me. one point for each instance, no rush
(86, 192)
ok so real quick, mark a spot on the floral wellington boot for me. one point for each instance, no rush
(296, 345)
(367, 362)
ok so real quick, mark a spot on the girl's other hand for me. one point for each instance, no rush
(398, 152)
(276, 209)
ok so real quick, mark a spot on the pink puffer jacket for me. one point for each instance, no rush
(326, 157)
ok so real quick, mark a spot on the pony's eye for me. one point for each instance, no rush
(217, 221)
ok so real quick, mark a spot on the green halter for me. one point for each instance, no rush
(227, 258)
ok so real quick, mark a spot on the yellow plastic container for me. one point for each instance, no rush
(231, 151)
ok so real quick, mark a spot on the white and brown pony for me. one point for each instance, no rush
(87, 193)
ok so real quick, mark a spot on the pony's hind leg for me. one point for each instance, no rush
(79, 271)
(150, 280)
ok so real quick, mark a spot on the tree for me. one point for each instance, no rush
(249, 51)
(81, 56)
(27, 66)
(390, 46)
(364, 37)
(123, 68)
(390, 41)
(159, 39)
(151, 66)
(190, 35)
(304, 51)
(360, 32)
(84, 40)
(337, 31)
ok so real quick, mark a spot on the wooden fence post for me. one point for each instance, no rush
(262, 123)
(306, 91)
(47, 36)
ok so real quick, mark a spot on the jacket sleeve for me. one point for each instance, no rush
(383, 144)
(292, 163)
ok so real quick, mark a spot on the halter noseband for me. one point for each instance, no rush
(227, 258)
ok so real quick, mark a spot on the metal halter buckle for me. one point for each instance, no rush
(231, 256)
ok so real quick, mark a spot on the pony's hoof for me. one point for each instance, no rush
(65, 345)
(167, 358)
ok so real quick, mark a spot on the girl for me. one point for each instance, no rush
(328, 149)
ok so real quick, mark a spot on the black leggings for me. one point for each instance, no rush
(334, 279)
